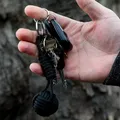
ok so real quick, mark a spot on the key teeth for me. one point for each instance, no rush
(54, 82)
(65, 84)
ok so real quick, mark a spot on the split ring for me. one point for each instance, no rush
(48, 14)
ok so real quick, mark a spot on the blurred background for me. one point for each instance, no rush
(81, 101)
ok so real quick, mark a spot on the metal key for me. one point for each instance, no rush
(51, 48)
(64, 82)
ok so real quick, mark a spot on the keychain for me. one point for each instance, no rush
(52, 43)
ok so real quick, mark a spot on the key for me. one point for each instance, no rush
(49, 44)
(64, 82)
(56, 30)
(55, 59)
(60, 65)
(57, 54)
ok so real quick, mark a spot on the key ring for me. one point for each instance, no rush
(48, 14)
(40, 27)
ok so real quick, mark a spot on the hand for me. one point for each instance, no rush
(95, 43)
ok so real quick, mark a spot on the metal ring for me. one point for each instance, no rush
(44, 42)
(48, 14)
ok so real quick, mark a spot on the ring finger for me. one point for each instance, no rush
(28, 48)
(26, 35)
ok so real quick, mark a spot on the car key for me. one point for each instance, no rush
(56, 30)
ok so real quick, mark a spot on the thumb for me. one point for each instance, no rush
(94, 9)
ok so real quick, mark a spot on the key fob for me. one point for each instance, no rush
(56, 30)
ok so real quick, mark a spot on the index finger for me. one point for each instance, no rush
(40, 13)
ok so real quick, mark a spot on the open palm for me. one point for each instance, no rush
(95, 44)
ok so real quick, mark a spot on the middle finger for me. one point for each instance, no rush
(28, 48)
